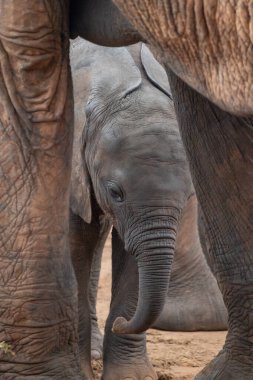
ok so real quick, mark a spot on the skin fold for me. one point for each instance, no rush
(97, 210)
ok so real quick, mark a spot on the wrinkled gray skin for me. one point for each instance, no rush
(117, 180)
(208, 44)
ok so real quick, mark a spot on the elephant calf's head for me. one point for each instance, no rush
(137, 166)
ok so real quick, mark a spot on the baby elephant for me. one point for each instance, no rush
(130, 172)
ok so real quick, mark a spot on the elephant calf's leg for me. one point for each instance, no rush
(86, 244)
(125, 356)
(81, 259)
(96, 335)
(38, 292)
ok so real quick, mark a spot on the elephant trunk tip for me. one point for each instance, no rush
(120, 326)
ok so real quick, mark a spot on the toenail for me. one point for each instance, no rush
(148, 378)
(95, 354)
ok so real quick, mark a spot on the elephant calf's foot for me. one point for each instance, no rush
(223, 367)
(131, 371)
(96, 343)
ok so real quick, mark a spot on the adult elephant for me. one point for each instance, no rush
(125, 99)
(38, 296)
(38, 291)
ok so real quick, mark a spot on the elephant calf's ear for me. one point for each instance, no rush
(82, 57)
(80, 193)
(114, 76)
(154, 71)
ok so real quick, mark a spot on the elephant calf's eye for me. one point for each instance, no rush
(115, 192)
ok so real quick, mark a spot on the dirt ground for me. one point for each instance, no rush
(174, 355)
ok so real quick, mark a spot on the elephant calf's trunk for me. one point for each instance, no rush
(154, 267)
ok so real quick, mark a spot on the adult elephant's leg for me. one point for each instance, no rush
(220, 152)
(38, 293)
(86, 244)
(125, 356)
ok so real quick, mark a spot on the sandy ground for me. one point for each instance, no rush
(174, 355)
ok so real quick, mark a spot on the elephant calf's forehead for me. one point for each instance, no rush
(138, 116)
(144, 142)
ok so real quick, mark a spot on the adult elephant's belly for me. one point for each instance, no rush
(180, 31)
